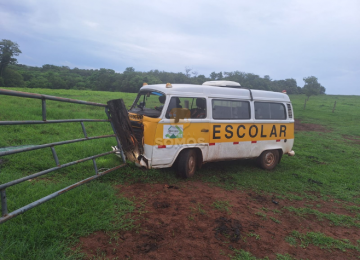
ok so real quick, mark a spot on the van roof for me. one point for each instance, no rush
(222, 83)
(218, 92)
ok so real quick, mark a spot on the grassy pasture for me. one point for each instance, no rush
(330, 158)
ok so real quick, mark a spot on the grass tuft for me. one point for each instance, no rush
(336, 219)
(244, 255)
(319, 240)
(222, 205)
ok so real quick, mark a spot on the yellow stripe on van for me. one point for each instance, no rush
(219, 133)
(250, 132)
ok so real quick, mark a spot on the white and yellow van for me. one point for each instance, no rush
(188, 125)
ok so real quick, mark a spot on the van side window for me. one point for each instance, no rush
(186, 107)
(230, 109)
(268, 110)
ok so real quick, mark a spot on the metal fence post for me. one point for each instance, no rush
(3, 203)
(55, 156)
(43, 105)
(95, 166)
(83, 128)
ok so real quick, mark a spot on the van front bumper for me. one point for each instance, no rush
(142, 161)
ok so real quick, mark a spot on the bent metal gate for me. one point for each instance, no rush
(114, 110)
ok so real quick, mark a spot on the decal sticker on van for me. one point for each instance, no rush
(173, 131)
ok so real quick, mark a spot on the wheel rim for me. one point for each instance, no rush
(191, 165)
(269, 159)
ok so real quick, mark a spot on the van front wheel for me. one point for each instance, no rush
(186, 166)
(269, 159)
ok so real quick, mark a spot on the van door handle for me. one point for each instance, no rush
(205, 130)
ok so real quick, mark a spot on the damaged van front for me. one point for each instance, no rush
(144, 115)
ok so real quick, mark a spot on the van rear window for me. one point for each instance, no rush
(268, 110)
(230, 109)
(289, 111)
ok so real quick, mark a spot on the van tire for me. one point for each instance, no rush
(186, 165)
(268, 159)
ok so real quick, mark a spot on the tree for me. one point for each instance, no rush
(8, 49)
(288, 84)
(129, 70)
(216, 76)
(13, 79)
(213, 75)
(194, 73)
(312, 87)
(322, 90)
(187, 71)
(267, 77)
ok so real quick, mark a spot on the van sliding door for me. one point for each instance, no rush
(228, 125)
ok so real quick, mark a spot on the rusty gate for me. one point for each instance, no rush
(111, 119)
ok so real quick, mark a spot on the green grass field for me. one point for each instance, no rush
(50, 230)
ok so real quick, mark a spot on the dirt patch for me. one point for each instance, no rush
(185, 223)
(229, 228)
(299, 126)
(162, 204)
(314, 159)
(352, 139)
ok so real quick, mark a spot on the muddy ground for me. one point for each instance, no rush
(196, 220)
(300, 126)
(182, 222)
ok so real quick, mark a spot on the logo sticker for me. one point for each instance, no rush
(173, 131)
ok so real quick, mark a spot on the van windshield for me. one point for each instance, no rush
(149, 103)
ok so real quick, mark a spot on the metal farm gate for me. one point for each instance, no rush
(112, 112)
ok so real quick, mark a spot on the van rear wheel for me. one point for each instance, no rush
(268, 159)
(186, 165)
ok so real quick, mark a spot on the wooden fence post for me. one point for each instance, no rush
(334, 106)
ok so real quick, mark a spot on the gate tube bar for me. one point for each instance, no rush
(40, 96)
(11, 183)
(36, 122)
(53, 144)
(55, 194)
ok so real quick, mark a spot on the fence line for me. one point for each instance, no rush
(5, 215)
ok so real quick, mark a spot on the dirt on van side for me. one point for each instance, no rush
(196, 220)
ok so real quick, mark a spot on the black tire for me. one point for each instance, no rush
(268, 159)
(186, 164)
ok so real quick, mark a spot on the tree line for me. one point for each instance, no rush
(130, 80)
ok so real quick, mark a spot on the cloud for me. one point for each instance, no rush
(283, 39)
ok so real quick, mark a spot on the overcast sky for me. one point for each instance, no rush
(280, 38)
